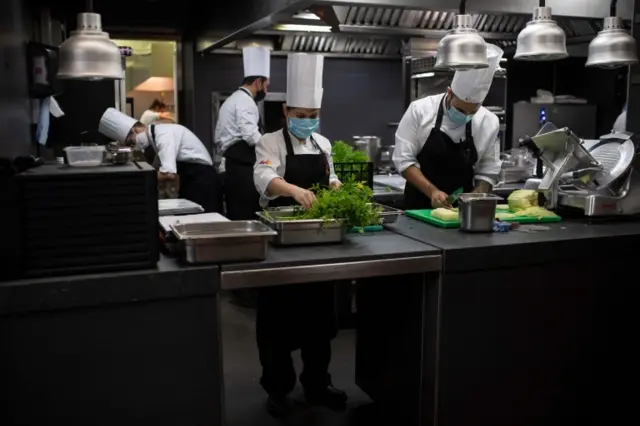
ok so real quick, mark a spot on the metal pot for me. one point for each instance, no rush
(370, 145)
(477, 212)
(117, 154)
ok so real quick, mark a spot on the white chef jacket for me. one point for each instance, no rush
(238, 120)
(149, 117)
(417, 122)
(173, 143)
(271, 159)
(621, 122)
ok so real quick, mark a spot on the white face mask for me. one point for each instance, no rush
(142, 141)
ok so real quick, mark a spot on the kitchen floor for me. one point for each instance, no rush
(245, 399)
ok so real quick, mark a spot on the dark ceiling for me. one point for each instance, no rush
(176, 17)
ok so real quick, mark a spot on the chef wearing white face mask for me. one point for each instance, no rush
(180, 152)
(446, 142)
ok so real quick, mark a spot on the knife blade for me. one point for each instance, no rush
(454, 196)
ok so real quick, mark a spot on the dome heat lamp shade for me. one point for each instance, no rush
(613, 47)
(542, 39)
(89, 54)
(462, 48)
(156, 84)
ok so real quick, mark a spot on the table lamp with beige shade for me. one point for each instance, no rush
(156, 85)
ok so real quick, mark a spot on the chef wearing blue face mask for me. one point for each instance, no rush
(290, 161)
(446, 142)
(299, 316)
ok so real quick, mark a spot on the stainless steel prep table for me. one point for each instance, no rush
(365, 255)
(393, 274)
(530, 326)
(122, 348)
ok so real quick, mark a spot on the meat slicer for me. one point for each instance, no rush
(600, 177)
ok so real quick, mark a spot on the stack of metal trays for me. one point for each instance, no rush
(213, 242)
(178, 206)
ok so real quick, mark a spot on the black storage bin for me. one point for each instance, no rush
(85, 220)
(362, 172)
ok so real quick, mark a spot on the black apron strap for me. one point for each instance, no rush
(155, 162)
(440, 114)
(287, 141)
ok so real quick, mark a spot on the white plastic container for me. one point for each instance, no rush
(84, 156)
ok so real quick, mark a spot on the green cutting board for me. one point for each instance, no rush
(425, 216)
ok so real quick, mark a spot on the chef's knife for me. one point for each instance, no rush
(454, 196)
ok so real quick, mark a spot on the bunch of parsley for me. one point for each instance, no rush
(343, 153)
(352, 204)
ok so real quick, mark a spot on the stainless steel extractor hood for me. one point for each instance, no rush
(374, 28)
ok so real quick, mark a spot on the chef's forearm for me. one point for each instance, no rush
(414, 176)
(278, 187)
(482, 187)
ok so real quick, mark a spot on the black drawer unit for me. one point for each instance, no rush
(87, 220)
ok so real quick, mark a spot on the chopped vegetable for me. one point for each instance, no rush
(536, 211)
(522, 199)
(344, 153)
(502, 207)
(445, 214)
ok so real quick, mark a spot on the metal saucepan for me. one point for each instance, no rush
(118, 154)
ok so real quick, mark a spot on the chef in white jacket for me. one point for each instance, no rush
(238, 130)
(450, 141)
(288, 163)
(180, 152)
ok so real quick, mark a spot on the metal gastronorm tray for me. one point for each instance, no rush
(212, 242)
(301, 232)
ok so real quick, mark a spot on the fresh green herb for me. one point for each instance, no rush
(352, 204)
(344, 153)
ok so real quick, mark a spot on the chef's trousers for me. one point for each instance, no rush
(291, 317)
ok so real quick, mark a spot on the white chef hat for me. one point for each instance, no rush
(473, 85)
(304, 80)
(116, 125)
(257, 61)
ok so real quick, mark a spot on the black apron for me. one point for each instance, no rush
(241, 196)
(198, 182)
(300, 316)
(446, 164)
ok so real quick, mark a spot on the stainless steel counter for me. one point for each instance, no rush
(394, 182)
(360, 256)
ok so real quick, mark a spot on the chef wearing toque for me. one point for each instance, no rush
(238, 130)
(180, 152)
(450, 141)
(288, 163)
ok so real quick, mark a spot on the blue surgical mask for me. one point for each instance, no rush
(303, 127)
(459, 118)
